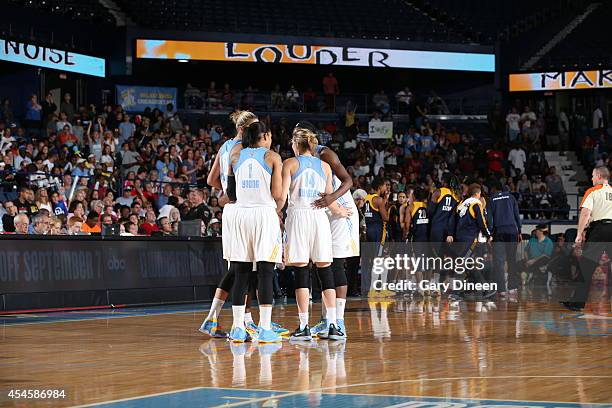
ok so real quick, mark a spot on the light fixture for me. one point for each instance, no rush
(183, 60)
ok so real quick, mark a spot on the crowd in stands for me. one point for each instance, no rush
(69, 169)
(326, 98)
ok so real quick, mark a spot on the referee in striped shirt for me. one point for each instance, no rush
(596, 213)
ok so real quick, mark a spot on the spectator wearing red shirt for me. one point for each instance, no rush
(67, 138)
(330, 89)
(495, 158)
(150, 224)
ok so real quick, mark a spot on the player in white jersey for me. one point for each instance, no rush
(307, 229)
(345, 231)
(217, 178)
(255, 184)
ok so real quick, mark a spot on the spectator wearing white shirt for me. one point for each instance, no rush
(598, 120)
(62, 122)
(518, 158)
(512, 124)
(528, 121)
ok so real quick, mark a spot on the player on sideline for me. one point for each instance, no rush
(309, 236)
(218, 178)
(441, 209)
(345, 231)
(417, 218)
(255, 184)
(376, 215)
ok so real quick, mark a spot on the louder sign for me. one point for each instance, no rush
(553, 81)
(314, 54)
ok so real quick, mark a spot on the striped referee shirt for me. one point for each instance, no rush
(598, 199)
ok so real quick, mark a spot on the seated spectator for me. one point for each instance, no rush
(538, 251)
(214, 228)
(292, 98)
(21, 223)
(8, 224)
(381, 102)
(228, 96)
(55, 227)
(40, 223)
(165, 226)
(149, 225)
(278, 100)
(92, 223)
(106, 219)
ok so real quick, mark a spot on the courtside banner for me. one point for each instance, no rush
(91, 263)
(314, 54)
(45, 57)
(554, 81)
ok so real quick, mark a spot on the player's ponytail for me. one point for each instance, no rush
(305, 140)
(253, 133)
(242, 119)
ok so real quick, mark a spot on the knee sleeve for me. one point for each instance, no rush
(265, 284)
(302, 277)
(227, 281)
(327, 278)
(241, 281)
(338, 271)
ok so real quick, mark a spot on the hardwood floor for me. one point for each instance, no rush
(527, 351)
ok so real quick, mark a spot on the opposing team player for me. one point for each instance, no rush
(255, 184)
(308, 231)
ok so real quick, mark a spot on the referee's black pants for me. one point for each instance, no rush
(598, 241)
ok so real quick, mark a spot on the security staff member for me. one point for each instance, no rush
(596, 211)
(506, 225)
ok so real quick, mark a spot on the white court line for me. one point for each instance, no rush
(320, 390)
(96, 318)
(135, 398)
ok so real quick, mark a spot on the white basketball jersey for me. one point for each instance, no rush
(224, 160)
(346, 200)
(253, 179)
(307, 183)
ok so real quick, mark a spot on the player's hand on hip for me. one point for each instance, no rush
(325, 201)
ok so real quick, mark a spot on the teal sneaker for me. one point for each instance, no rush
(267, 336)
(341, 327)
(280, 330)
(211, 327)
(239, 335)
(251, 328)
(320, 329)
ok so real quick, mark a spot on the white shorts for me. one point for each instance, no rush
(345, 235)
(256, 235)
(227, 225)
(308, 236)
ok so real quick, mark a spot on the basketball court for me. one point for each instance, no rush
(398, 354)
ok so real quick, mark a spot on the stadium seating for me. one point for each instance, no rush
(586, 46)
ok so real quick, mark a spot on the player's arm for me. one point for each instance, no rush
(231, 177)
(481, 222)
(288, 167)
(214, 176)
(273, 160)
(334, 207)
(346, 182)
(381, 203)
(407, 219)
